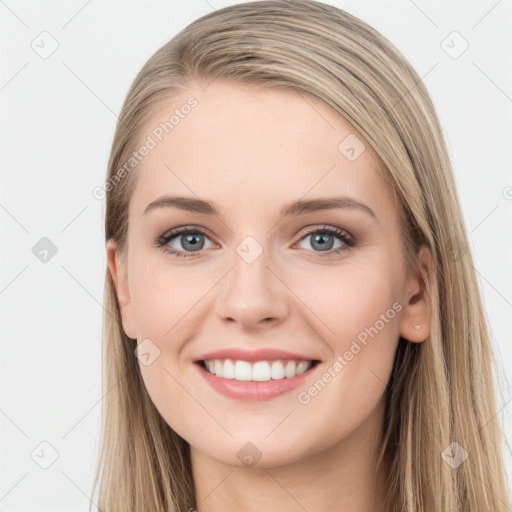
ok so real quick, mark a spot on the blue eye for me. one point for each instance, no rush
(323, 238)
(192, 240)
(188, 238)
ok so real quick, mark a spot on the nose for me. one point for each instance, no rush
(252, 295)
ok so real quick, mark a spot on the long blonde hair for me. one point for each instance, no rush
(440, 391)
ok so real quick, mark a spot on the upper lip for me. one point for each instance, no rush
(264, 354)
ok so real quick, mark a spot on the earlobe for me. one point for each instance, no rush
(119, 274)
(415, 320)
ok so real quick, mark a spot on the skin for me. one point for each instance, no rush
(250, 151)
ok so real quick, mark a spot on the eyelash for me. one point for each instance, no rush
(163, 240)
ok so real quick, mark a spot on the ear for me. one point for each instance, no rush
(416, 311)
(118, 271)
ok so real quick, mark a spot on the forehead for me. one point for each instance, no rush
(252, 146)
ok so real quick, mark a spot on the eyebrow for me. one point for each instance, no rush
(294, 208)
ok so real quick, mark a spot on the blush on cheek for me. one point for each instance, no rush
(363, 317)
(172, 313)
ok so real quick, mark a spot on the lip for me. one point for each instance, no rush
(254, 390)
(264, 354)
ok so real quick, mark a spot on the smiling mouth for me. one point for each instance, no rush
(258, 371)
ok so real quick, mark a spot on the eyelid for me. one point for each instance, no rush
(314, 228)
(184, 229)
(306, 231)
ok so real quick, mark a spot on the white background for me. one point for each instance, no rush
(57, 122)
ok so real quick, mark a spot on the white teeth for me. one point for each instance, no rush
(258, 371)
(261, 371)
(242, 370)
(217, 366)
(228, 371)
(277, 370)
(302, 367)
(289, 369)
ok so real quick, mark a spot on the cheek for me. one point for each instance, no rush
(163, 297)
(165, 305)
(351, 297)
(358, 318)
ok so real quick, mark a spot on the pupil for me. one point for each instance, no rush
(320, 239)
(191, 239)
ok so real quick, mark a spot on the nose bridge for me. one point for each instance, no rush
(251, 291)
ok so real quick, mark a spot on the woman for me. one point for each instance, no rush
(295, 321)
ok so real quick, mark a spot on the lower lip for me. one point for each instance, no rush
(254, 390)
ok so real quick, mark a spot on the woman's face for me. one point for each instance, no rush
(325, 282)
